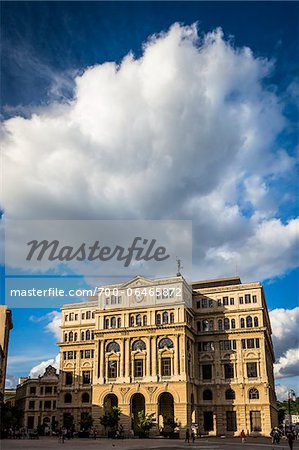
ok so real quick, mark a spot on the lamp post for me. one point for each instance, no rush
(291, 396)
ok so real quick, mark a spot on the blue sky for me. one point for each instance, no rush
(47, 44)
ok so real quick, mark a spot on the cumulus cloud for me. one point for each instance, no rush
(54, 322)
(39, 369)
(285, 324)
(188, 130)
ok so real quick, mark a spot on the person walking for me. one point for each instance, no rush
(193, 436)
(291, 438)
(243, 436)
(187, 436)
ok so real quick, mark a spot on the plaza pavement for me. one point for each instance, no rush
(143, 444)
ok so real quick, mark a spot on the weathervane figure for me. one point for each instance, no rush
(179, 267)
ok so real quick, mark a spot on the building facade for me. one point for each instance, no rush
(197, 356)
(5, 327)
(37, 399)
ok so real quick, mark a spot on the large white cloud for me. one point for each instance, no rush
(188, 130)
(285, 325)
(40, 368)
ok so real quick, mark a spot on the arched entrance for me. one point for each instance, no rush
(109, 402)
(166, 420)
(137, 405)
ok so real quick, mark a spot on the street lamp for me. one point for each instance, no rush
(291, 396)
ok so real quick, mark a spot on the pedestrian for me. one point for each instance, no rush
(291, 438)
(187, 436)
(242, 436)
(192, 437)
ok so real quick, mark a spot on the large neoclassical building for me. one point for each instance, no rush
(196, 355)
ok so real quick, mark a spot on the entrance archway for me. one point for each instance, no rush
(109, 402)
(137, 405)
(166, 420)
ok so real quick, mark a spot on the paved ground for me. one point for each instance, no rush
(148, 444)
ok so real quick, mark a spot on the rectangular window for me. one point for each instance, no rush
(243, 343)
(112, 369)
(47, 404)
(257, 343)
(30, 422)
(219, 303)
(210, 303)
(254, 299)
(250, 343)
(31, 404)
(138, 368)
(87, 354)
(208, 421)
(206, 346)
(247, 298)
(41, 390)
(32, 390)
(225, 301)
(251, 370)
(241, 300)
(166, 367)
(48, 390)
(231, 301)
(231, 421)
(68, 378)
(228, 371)
(198, 304)
(207, 372)
(204, 303)
(86, 377)
(255, 421)
(54, 404)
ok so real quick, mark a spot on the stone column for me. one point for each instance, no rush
(148, 358)
(122, 358)
(127, 359)
(154, 358)
(102, 360)
(176, 356)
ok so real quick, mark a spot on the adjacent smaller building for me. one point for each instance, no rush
(37, 399)
(5, 327)
(10, 397)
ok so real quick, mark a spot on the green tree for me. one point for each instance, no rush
(145, 422)
(86, 422)
(111, 418)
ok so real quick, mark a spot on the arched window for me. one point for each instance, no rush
(256, 321)
(207, 394)
(144, 320)
(205, 325)
(165, 317)
(119, 322)
(75, 336)
(158, 319)
(249, 322)
(65, 337)
(233, 323)
(113, 322)
(242, 323)
(131, 321)
(138, 320)
(254, 394)
(82, 335)
(71, 336)
(68, 398)
(87, 335)
(220, 324)
(85, 397)
(106, 324)
(230, 394)
(226, 323)
(211, 325)
(171, 318)
(113, 347)
(138, 345)
(165, 342)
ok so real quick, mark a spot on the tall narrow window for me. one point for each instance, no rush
(233, 323)
(112, 369)
(249, 322)
(242, 323)
(138, 368)
(166, 367)
(255, 421)
(226, 323)
(252, 370)
(256, 321)
(231, 421)
(228, 371)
